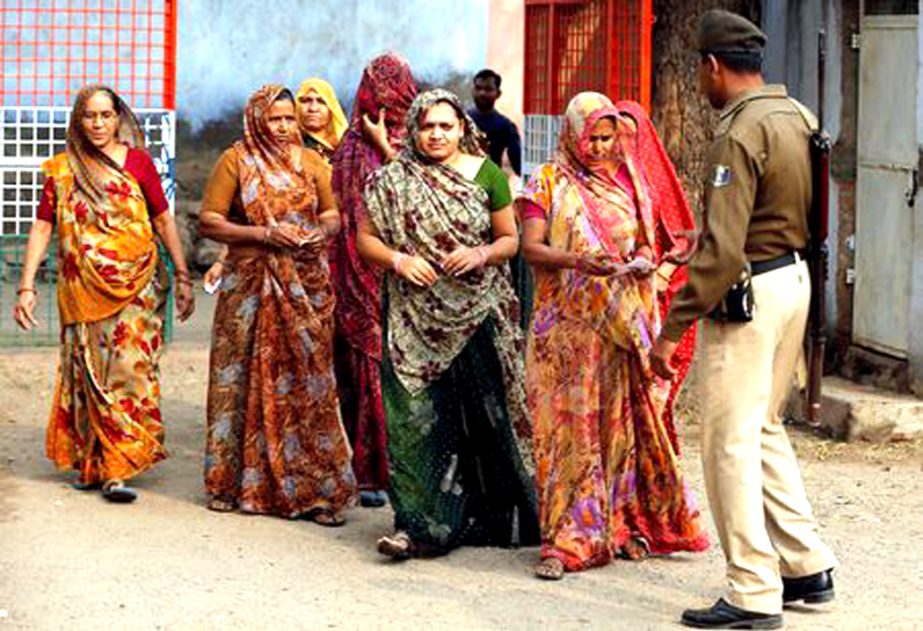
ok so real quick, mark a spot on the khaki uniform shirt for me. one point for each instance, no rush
(757, 198)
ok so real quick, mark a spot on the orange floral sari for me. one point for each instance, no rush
(105, 420)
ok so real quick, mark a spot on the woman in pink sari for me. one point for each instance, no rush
(376, 130)
(608, 475)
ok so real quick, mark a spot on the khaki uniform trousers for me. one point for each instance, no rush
(754, 487)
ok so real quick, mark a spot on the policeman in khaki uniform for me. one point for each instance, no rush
(757, 200)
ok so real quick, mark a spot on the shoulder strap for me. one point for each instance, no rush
(809, 119)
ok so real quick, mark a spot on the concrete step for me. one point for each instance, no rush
(852, 412)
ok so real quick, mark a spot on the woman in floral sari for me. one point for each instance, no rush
(385, 92)
(103, 194)
(608, 476)
(440, 218)
(275, 443)
(322, 124)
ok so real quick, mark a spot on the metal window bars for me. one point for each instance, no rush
(49, 49)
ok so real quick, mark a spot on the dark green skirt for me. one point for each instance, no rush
(457, 477)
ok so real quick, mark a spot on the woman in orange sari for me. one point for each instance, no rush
(608, 476)
(275, 441)
(104, 196)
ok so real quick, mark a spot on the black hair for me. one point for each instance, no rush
(743, 61)
(455, 106)
(285, 95)
(487, 73)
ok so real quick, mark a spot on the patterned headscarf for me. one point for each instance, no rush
(338, 124)
(386, 83)
(473, 139)
(271, 184)
(91, 167)
(598, 185)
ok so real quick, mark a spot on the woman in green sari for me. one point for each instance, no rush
(440, 219)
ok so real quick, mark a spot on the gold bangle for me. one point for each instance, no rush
(23, 290)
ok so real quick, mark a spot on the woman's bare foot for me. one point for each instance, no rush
(549, 569)
(636, 548)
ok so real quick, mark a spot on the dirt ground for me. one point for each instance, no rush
(70, 560)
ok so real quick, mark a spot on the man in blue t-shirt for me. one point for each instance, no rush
(502, 134)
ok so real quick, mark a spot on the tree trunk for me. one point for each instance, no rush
(684, 119)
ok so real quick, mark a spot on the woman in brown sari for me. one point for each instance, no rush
(322, 125)
(275, 441)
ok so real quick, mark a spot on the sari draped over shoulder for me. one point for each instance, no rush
(111, 286)
(673, 217)
(386, 83)
(458, 427)
(275, 441)
(607, 471)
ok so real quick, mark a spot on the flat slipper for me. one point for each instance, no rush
(221, 506)
(86, 486)
(373, 499)
(398, 546)
(549, 569)
(327, 518)
(116, 491)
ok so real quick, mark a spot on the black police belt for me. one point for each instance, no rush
(761, 267)
(737, 304)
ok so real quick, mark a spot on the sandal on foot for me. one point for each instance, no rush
(373, 499)
(116, 491)
(221, 506)
(398, 546)
(549, 569)
(325, 517)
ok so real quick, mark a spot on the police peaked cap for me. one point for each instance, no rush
(725, 32)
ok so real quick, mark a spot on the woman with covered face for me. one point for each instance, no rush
(385, 92)
(608, 475)
(275, 443)
(104, 197)
(440, 221)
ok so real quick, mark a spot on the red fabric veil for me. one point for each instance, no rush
(386, 83)
(672, 216)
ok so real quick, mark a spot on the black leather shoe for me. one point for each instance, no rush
(724, 615)
(812, 589)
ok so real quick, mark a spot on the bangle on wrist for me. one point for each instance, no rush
(267, 234)
(483, 256)
(23, 290)
(398, 261)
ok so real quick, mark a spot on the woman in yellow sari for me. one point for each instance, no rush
(104, 196)
(320, 117)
